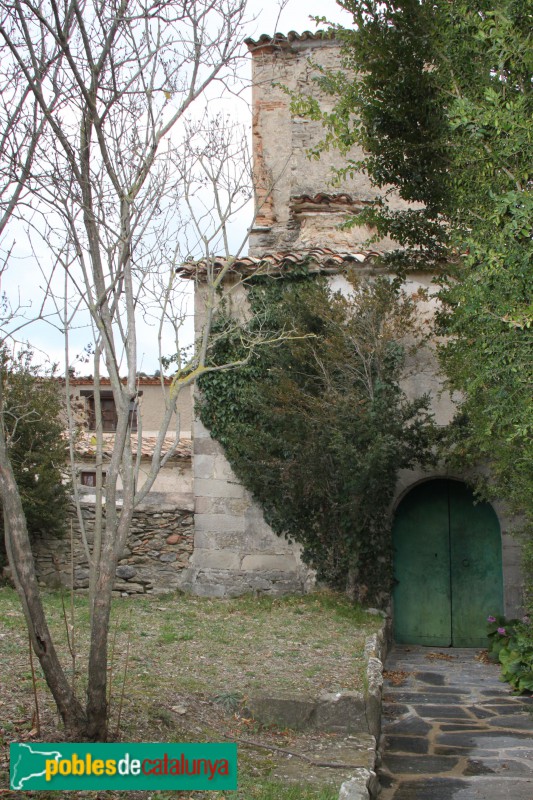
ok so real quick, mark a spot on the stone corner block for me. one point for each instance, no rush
(374, 672)
(285, 712)
(217, 523)
(374, 650)
(342, 711)
(215, 559)
(373, 713)
(362, 786)
(204, 467)
(214, 487)
(263, 563)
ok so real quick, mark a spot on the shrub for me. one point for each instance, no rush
(31, 410)
(317, 425)
(511, 643)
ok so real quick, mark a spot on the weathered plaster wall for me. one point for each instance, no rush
(282, 168)
(151, 404)
(422, 375)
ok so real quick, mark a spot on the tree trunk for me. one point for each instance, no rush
(97, 672)
(113, 540)
(22, 567)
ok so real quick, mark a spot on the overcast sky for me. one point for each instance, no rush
(295, 16)
(24, 278)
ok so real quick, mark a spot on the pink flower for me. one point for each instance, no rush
(491, 619)
(502, 631)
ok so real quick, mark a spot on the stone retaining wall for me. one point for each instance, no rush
(159, 547)
(345, 711)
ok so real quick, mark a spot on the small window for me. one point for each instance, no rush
(109, 414)
(88, 478)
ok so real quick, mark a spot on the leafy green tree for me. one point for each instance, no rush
(318, 426)
(442, 104)
(37, 447)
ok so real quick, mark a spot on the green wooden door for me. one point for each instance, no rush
(447, 566)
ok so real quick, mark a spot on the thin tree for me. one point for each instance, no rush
(105, 88)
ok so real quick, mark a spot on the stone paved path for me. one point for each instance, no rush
(452, 730)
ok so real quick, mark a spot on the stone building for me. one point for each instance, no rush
(161, 537)
(174, 480)
(455, 554)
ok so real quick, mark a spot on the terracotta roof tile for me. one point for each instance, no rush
(292, 36)
(319, 259)
(86, 446)
(88, 380)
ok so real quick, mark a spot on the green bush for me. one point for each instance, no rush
(31, 406)
(316, 425)
(511, 643)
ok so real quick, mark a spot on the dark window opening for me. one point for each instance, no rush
(108, 412)
(88, 478)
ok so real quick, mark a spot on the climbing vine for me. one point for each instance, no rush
(316, 425)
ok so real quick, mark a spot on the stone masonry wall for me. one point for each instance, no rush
(157, 551)
(235, 551)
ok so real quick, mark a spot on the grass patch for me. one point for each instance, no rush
(271, 791)
(192, 663)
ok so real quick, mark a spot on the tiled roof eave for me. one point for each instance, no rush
(89, 457)
(105, 381)
(85, 447)
(317, 260)
(285, 40)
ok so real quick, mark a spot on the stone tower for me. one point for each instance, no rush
(298, 206)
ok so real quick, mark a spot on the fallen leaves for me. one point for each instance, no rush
(396, 677)
(440, 657)
(483, 657)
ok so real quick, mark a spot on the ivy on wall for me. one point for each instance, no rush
(317, 425)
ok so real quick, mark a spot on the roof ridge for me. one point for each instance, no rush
(292, 36)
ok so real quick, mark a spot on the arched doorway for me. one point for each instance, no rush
(447, 566)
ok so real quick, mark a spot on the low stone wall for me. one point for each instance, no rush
(345, 711)
(159, 547)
